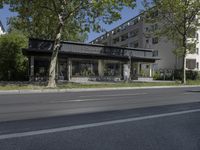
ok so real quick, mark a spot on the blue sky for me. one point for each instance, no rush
(126, 14)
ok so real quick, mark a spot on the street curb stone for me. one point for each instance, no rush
(7, 92)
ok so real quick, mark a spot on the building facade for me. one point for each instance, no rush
(83, 62)
(137, 33)
(2, 30)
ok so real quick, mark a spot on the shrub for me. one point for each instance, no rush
(192, 75)
(13, 63)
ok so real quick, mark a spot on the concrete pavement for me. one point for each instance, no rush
(35, 91)
(172, 127)
(29, 106)
(139, 119)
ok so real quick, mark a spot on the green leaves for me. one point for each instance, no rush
(12, 62)
(177, 19)
(39, 18)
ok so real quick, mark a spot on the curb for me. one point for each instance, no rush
(8, 92)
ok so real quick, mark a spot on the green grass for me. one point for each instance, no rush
(114, 85)
(193, 82)
(19, 87)
(100, 85)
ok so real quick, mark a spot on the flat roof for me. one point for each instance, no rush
(97, 45)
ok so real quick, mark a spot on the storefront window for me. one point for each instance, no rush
(112, 69)
(84, 68)
(41, 68)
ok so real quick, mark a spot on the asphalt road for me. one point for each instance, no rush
(151, 119)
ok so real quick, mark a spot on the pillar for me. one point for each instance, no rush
(101, 68)
(150, 71)
(138, 69)
(69, 69)
(31, 78)
(126, 71)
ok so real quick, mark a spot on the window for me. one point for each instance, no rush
(154, 27)
(84, 68)
(112, 69)
(134, 44)
(124, 26)
(134, 33)
(191, 63)
(116, 40)
(124, 37)
(136, 21)
(197, 51)
(118, 30)
(124, 45)
(147, 41)
(197, 65)
(155, 53)
(105, 43)
(155, 40)
(154, 14)
(197, 37)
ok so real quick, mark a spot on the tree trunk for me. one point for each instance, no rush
(184, 59)
(184, 70)
(54, 57)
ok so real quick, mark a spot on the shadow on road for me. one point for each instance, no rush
(193, 91)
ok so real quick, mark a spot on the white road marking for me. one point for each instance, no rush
(116, 95)
(107, 97)
(191, 93)
(84, 126)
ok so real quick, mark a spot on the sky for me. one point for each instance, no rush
(126, 14)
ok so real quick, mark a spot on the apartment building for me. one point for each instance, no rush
(137, 33)
(2, 30)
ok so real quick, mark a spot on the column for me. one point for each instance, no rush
(138, 69)
(150, 71)
(31, 78)
(101, 68)
(69, 69)
(126, 71)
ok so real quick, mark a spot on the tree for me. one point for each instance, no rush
(13, 63)
(45, 30)
(85, 14)
(179, 20)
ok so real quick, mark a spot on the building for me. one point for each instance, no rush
(2, 30)
(137, 33)
(83, 62)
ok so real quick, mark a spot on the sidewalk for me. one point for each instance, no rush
(29, 91)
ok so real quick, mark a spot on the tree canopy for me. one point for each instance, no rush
(39, 18)
(178, 21)
(13, 63)
(64, 17)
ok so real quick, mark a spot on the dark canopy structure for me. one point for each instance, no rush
(41, 50)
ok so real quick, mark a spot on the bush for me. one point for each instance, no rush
(177, 75)
(157, 76)
(192, 75)
(13, 63)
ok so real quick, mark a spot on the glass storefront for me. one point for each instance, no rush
(112, 69)
(41, 69)
(84, 68)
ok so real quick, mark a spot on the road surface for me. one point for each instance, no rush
(151, 119)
